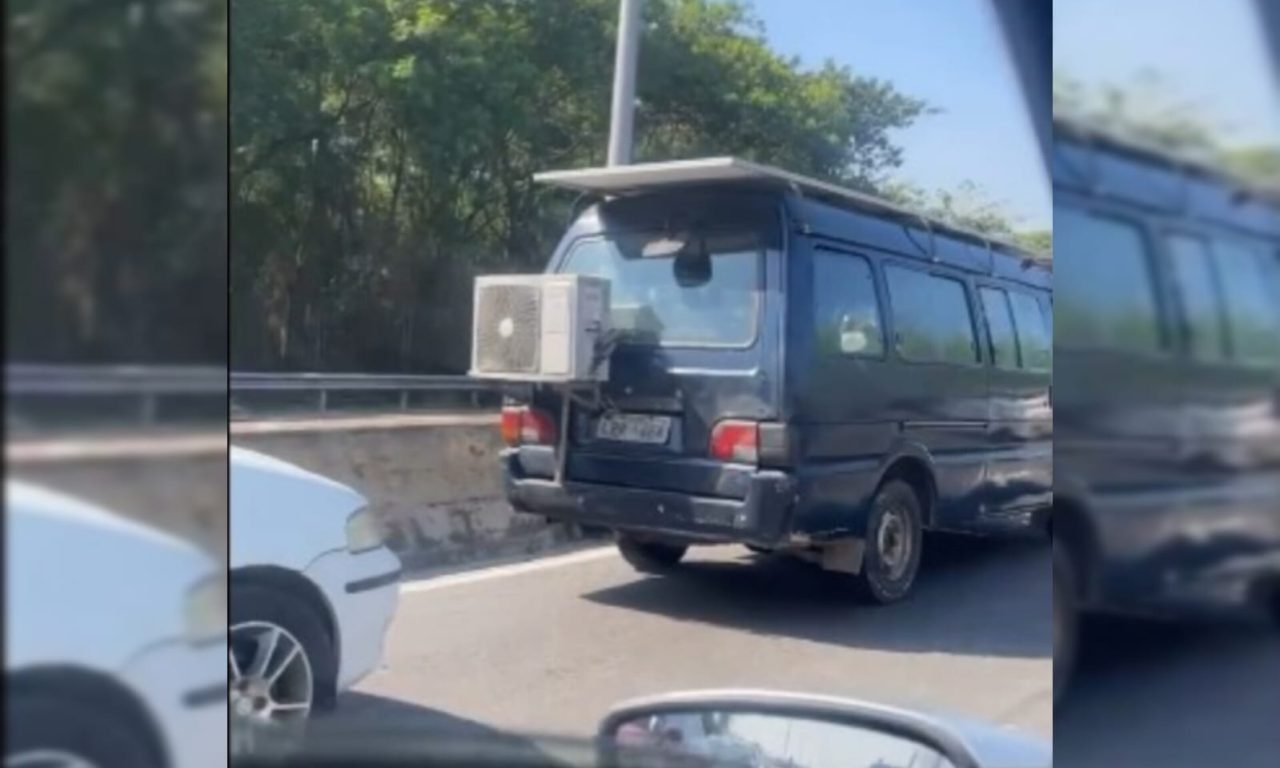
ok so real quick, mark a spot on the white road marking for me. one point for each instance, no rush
(504, 571)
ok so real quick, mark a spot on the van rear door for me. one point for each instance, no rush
(695, 298)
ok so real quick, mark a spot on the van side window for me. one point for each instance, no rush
(1105, 293)
(1035, 340)
(1253, 307)
(845, 311)
(931, 317)
(1197, 285)
(1004, 342)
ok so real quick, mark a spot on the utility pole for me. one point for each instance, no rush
(622, 115)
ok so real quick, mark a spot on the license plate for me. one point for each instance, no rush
(634, 428)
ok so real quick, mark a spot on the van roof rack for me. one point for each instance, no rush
(623, 180)
(1181, 161)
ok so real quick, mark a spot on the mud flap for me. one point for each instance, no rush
(843, 555)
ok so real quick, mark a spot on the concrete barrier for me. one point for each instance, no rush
(432, 479)
(177, 482)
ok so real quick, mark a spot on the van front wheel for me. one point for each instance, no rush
(893, 544)
(650, 556)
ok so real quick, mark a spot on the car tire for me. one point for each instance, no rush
(651, 556)
(253, 606)
(895, 538)
(1066, 620)
(55, 725)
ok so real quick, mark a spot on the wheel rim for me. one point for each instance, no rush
(894, 542)
(48, 758)
(271, 680)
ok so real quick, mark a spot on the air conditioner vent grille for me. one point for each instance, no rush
(508, 328)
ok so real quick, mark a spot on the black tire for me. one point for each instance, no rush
(895, 538)
(48, 722)
(253, 602)
(1066, 620)
(651, 556)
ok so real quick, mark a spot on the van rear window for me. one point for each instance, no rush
(677, 290)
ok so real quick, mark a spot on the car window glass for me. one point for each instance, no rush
(1035, 343)
(846, 314)
(1004, 342)
(931, 317)
(1104, 292)
(1251, 302)
(1197, 287)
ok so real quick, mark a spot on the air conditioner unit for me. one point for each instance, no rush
(540, 328)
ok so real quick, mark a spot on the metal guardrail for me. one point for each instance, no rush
(325, 383)
(152, 383)
(38, 379)
(147, 383)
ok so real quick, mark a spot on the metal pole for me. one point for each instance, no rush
(622, 116)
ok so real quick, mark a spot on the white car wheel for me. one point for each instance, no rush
(270, 674)
(281, 663)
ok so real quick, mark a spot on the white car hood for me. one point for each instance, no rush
(74, 570)
(283, 515)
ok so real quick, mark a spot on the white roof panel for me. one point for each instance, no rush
(624, 180)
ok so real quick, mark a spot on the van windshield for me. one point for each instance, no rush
(677, 290)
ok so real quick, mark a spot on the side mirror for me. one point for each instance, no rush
(761, 728)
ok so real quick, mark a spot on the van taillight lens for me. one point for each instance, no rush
(528, 426)
(737, 441)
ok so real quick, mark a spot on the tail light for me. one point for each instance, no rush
(737, 441)
(528, 426)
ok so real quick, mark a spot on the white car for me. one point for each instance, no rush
(115, 635)
(313, 590)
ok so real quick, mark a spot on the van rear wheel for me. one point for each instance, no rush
(895, 535)
(650, 556)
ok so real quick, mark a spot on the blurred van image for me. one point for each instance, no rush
(1167, 290)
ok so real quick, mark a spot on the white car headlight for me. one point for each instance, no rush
(205, 611)
(363, 532)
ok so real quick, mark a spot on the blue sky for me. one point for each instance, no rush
(949, 53)
(1209, 51)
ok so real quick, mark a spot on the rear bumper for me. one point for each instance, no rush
(762, 517)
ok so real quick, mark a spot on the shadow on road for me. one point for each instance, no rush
(973, 597)
(1149, 693)
(365, 724)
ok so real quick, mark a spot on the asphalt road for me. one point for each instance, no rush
(548, 646)
(1164, 695)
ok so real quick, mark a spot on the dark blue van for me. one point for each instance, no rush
(798, 367)
(1167, 292)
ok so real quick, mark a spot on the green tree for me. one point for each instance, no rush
(116, 213)
(969, 206)
(383, 151)
(1038, 241)
(1148, 108)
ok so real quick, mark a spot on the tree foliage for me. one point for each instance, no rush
(383, 151)
(1148, 108)
(116, 216)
